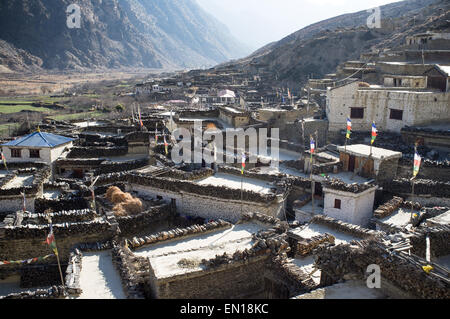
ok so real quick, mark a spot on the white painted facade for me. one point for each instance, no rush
(419, 108)
(212, 207)
(355, 208)
(46, 154)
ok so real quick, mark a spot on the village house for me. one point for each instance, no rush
(36, 147)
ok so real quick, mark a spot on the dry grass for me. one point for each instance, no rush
(126, 204)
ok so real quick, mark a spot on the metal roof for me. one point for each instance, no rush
(39, 139)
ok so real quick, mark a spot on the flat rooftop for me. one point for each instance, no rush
(313, 230)
(361, 150)
(306, 264)
(399, 218)
(347, 290)
(19, 181)
(443, 219)
(99, 279)
(234, 181)
(165, 257)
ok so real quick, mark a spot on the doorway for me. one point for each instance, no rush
(351, 163)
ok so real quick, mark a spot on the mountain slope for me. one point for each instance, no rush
(319, 48)
(114, 34)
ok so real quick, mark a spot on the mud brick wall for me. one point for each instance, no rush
(23, 242)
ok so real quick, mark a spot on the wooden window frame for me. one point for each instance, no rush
(357, 113)
(16, 153)
(396, 114)
(337, 203)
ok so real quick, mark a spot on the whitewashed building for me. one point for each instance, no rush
(36, 147)
(354, 208)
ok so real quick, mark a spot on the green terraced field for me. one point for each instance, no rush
(9, 109)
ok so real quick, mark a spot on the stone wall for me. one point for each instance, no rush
(439, 241)
(433, 188)
(64, 216)
(433, 170)
(96, 152)
(23, 242)
(339, 261)
(151, 220)
(59, 205)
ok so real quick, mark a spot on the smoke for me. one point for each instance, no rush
(125, 204)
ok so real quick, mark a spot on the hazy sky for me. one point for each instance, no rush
(258, 22)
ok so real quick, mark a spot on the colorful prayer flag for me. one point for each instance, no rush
(24, 203)
(140, 117)
(313, 145)
(4, 160)
(374, 132)
(244, 158)
(51, 241)
(417, 162)
(349, 128)
(166, 146)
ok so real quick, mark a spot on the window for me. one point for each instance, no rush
(337, 203)
(17, 153)
(396, 114)
(34, 154)
(357, 113)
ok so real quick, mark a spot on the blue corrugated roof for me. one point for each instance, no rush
(39, 139)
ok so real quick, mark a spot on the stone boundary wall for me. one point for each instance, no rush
(107, 167)
(302, 247)
(22, 242)
(433, 170)
(388, 208)
(54, 292)
(350, 229)
(73, 271)
(178, 233)
(71, 216)
(421, 187)
(63, 204)
(132, 277)
(159, 215)
(40, 177)
(249, 174)
(271, 241)
(439, 241)
(338, 261)
(96, 152)
(292, 276)
(174, 185)
(190, 176)
(337, 184)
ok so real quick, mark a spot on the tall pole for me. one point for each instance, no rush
(412, 196)
(313, 184)
(56, 251)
